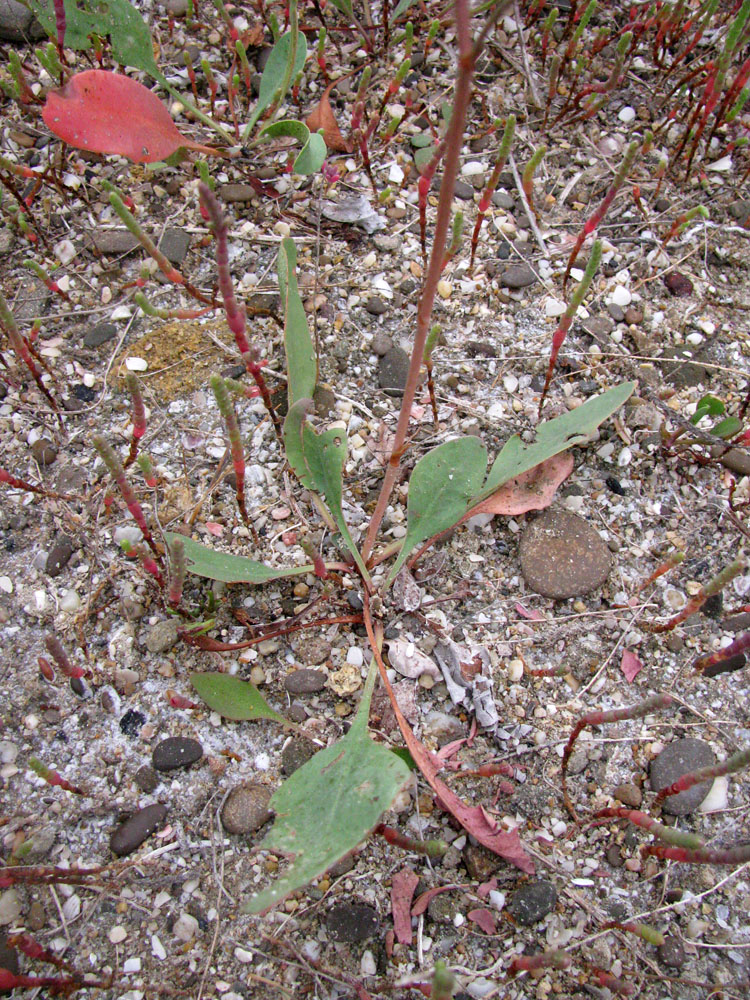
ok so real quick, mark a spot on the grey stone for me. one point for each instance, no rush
(463, 191)
(740, 210)
(161, 636)
(178, 8)
(313, 650)
(517, 276)
(614, 856)
(737, 623)
(616, 312)
(17, 23)
(236, 192)
(381, 344)
(598, 327)
(305, 681)
(735, 459)
(8, 957)
(532, 901)
(175, 752)
(130, 835)
(146, 778)
(501, 199)
(352, 923)
(296, 753)
(376, 306)
(7, 240)
(114, 241)
(59, 555)
(175, 244)
(677, 758)
(672, 953)
(100, 334)
(246, 808)
(393, 370)
(683, 371)
(563, 556)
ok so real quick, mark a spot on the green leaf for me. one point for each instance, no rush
(128, 32)
(345, 6)
(440, 489)
(205, 561)
(553, 437)
(330, 804)
(728, 427)
(302, 368)
(275, 72)
(401, 9)
(234, 698)
(318, 462)
(420, 140)
(707, 406)
(423, 156)
(313, 152)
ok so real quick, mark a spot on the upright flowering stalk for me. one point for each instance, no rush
(177, 572)
(235, 443)
(236, 319)
(114, 466)
(486, 200)
(527, 180)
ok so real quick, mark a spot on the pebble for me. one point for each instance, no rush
(393, 369)
(44, 451)
(678, 284)
(236, 192)
(185, 927)
(517, 276)
(626, 115)
(117, 934)
(355, 656)
(296, 753)
(305, 681)
(146, 778)
(672, 953)
(621, 296)
(463, 191)
(629, 794)
(563, 556)
(100, 334)
(735, 459)
(10, 907)
(351, 923)
(59, 555)
(114, 241)
(376, 306)
(175, 244)
(381, 344)
(246, 808)
(136, 364)
(532, 901)
(175, 752)
(130, 835)
(161, 636)
(678, 758)
(70, 602)
(312, 650)
(480, 863)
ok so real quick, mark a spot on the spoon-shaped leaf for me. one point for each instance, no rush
(310, 159)
(330, 804)
(301, 363)
(234, 698)
(112, 113)
(205, 561)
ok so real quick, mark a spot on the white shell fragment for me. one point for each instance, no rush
(136, 364)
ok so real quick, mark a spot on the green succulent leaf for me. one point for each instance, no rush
(302, 368)
(727, 427)
(310, 159)
(207, 562)
(318, 462)
(234, 698)
(330, 804)
(440, 490)
(275, 73)
(707, 406)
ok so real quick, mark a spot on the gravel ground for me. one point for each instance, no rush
(556, 592)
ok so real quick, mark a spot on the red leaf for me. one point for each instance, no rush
(532, 490)
(423, 900)
(483, 919)
(534, 616)
(402, 890)
(322, 117)
(630, 665)
(111, 113)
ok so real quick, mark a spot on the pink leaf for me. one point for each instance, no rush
(423, 900)
(483, 919)
(111, 113)
(402, 891)
(214, 528)
(532, 490)
(630, 665)
(487, 887)
(533, 616)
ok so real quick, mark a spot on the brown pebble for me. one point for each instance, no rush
(130, 835)
(44, 451)
(246, 808)
(629, 795)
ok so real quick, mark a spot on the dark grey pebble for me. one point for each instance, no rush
(8, 957)
(393, 370)
(351, 923)
(563, 556)
(114, 241)
(131, 722)
(305, 681)
(245, 809)
(381, 343)
(678, 758)
(59, 555)
(100, 334)
(672, 953)
(532, 901)
(682, 371)
(517, 276)
(146, 778)
(130, 835)
(376, 306)
(296, 753)
(174, 752)
(463, 191)
(175, 244)
(236, 192)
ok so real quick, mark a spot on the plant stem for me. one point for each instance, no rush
(466, 56)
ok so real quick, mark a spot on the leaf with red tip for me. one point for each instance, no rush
(112, 113)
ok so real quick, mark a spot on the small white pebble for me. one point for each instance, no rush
(31, 721)
(515, 670)
(131, 965)
(70, 602)
(510, 383)
(117, 934)
(395, 174)
(626, 115)
(282, 229)
(65, 251)
(718, 797)
(157, 948)
(367, 964)
(576, 274)
(6, 584)
(459, 920)
(472, 168)
(694, 339)
(625, 457)
(621, 296)
(89, 380)
(243, 956)
(444, 289)
(355, 656)
(136, 364)
(554, 307)
(185, 927)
